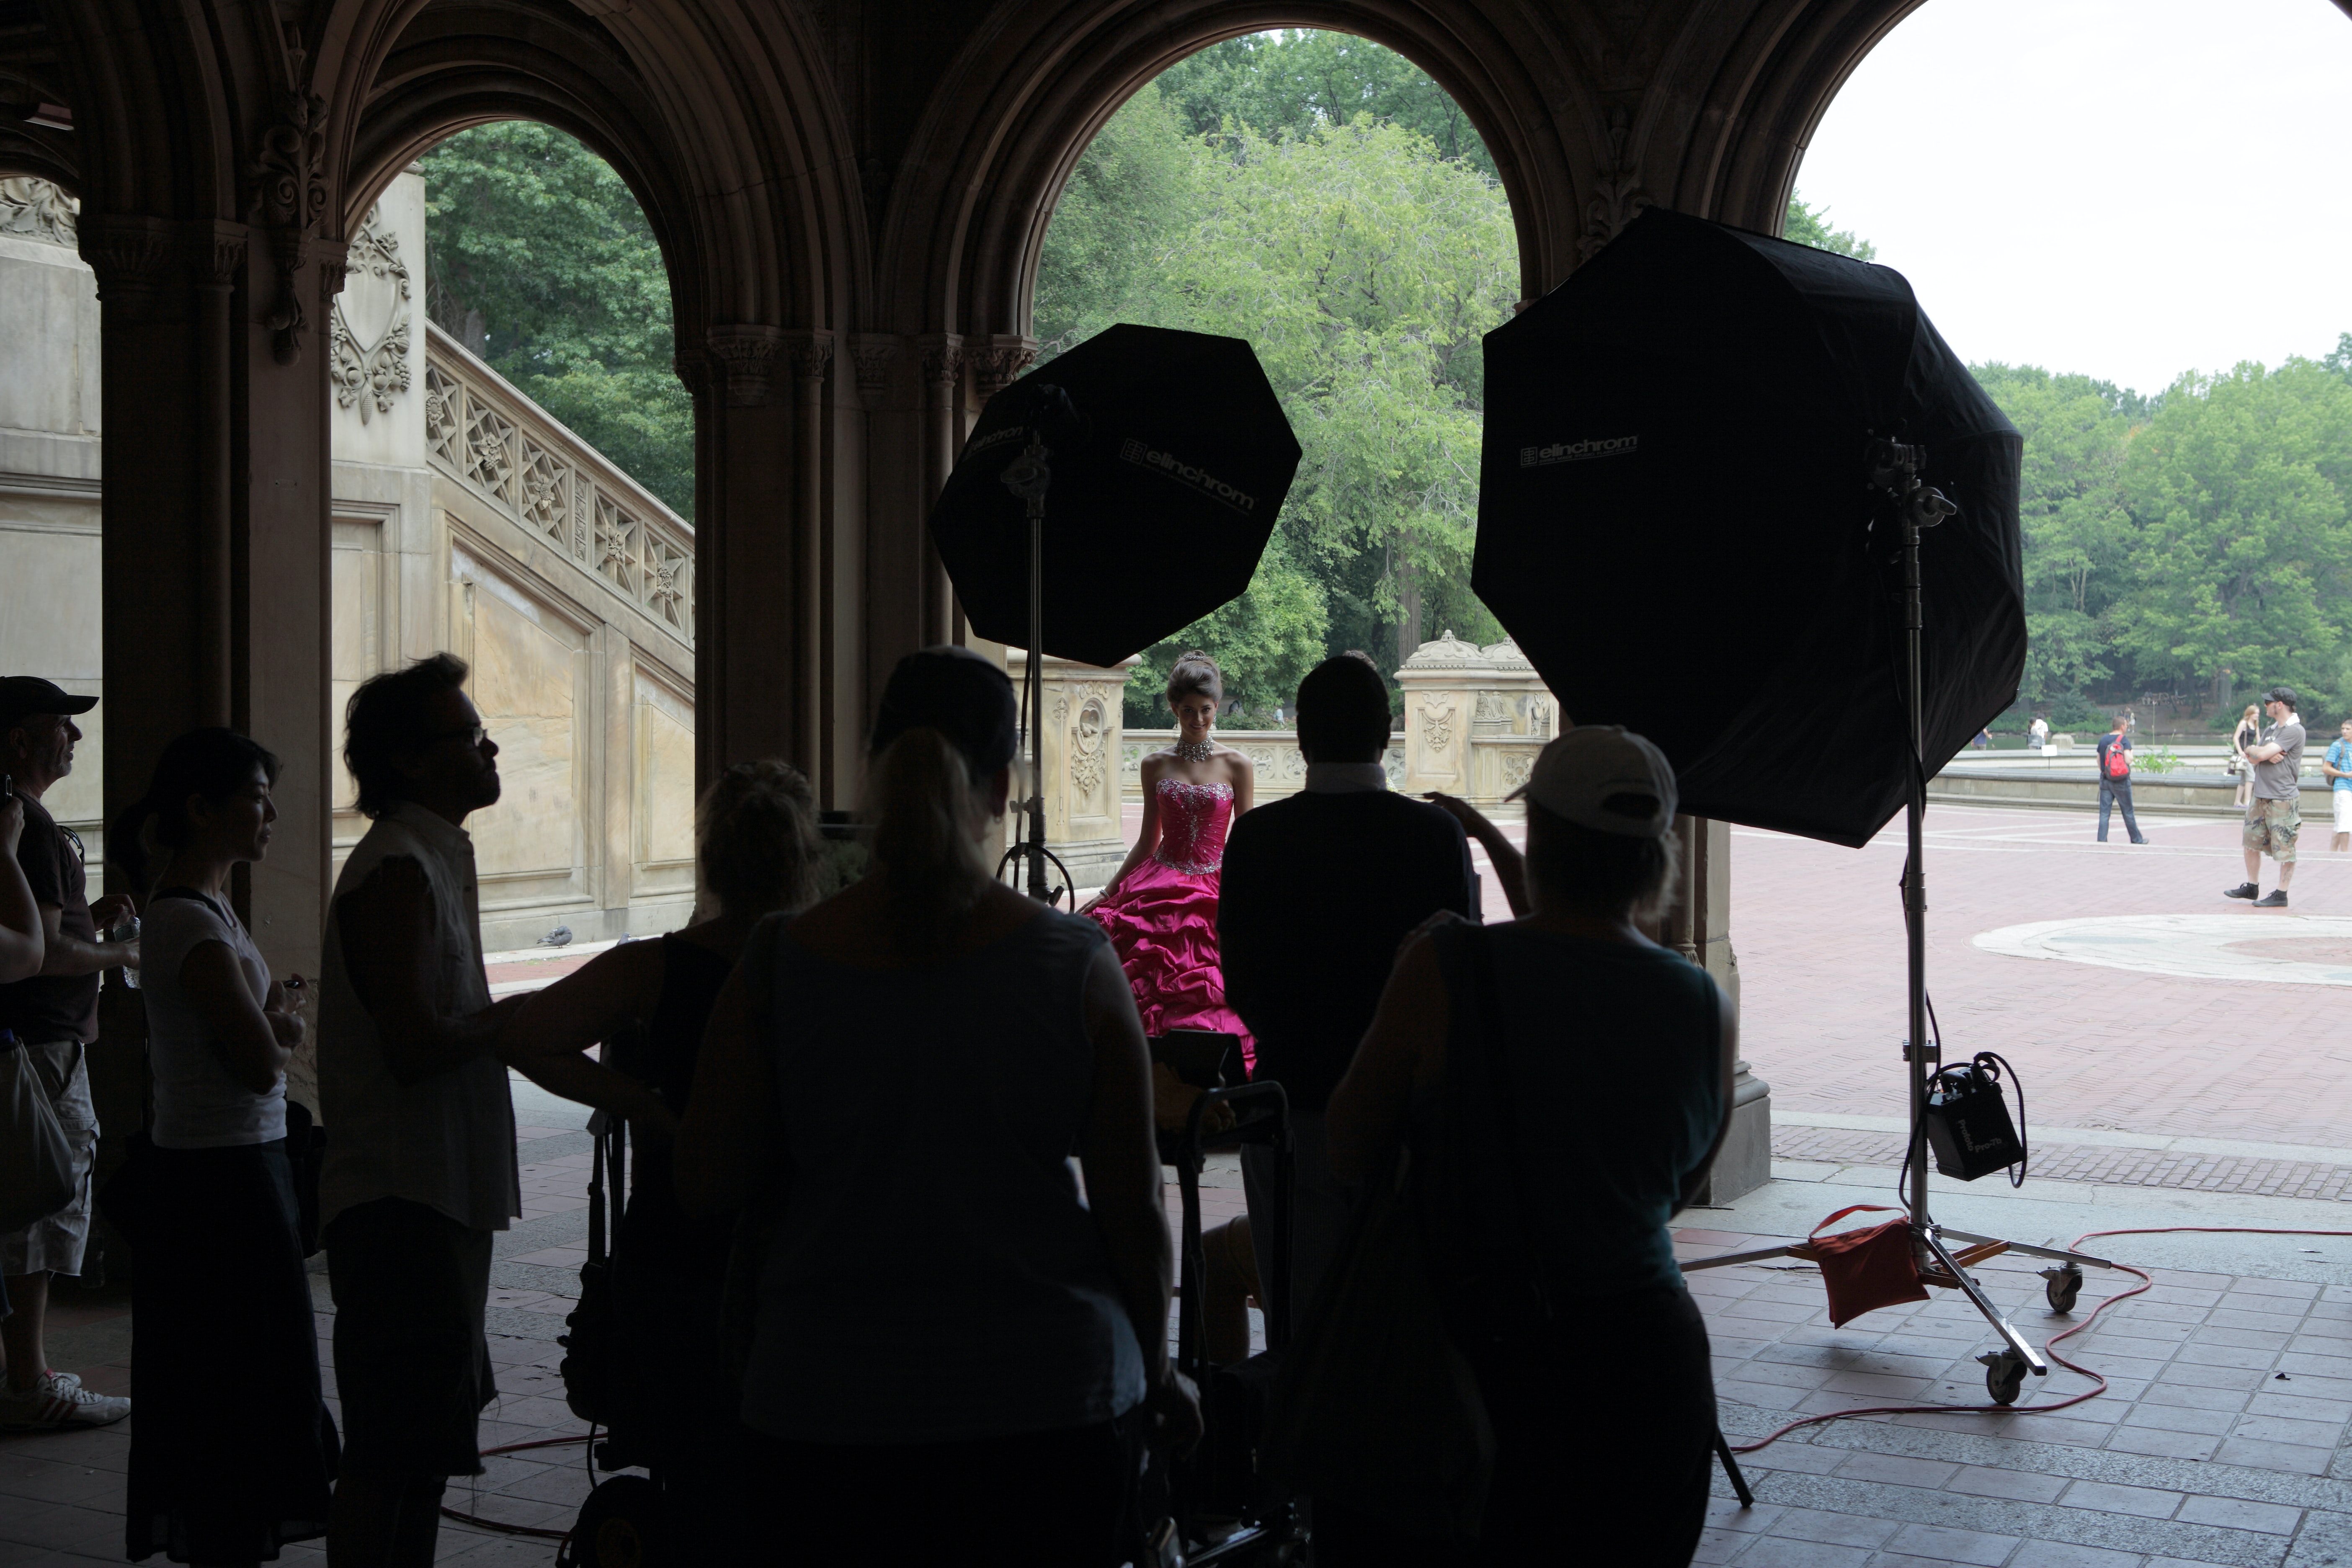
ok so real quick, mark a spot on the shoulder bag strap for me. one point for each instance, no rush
(1503, 1103)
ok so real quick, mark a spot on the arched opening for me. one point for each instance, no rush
(514, 481)
(2122, 216)
(1325, 198)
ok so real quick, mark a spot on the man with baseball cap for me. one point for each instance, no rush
(54, 1015)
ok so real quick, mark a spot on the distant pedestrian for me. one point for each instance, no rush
(2037, 734)
(2275, 817)
(1984, 739)
(2337, 766)
(2114, 778)
(2248, 736)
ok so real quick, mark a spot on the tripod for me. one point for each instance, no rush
(1894, 470)
(1030, 476)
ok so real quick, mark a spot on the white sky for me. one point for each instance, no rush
(2123, 188)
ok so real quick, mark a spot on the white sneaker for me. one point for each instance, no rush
(59, 1401)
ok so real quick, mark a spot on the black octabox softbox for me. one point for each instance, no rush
(1673, 522)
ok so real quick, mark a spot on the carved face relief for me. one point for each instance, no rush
(1087, 749)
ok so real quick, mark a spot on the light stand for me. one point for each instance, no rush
(1030, 476)
(1894, 470)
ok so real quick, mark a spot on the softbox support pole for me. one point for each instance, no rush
(1030, 476)
(1894, 469)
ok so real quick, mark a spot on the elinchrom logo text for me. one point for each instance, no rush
(1142, 454)
(1577, 451)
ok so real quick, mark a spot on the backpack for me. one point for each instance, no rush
(2118, 760)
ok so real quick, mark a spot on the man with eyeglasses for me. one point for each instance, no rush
(54, 1016)
(421, 1168)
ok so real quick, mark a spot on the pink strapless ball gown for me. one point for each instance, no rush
(1163, 919)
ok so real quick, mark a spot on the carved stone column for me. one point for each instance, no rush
(1083, 732)
(812, 358)
(214, 554)
(1701, 930)
(1000, 363)
(1441, 681)
(943, 428)
(753, 676)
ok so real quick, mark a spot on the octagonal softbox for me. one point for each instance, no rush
(1673, 522)
(1169, 465)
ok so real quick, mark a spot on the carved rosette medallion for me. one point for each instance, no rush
(370, 361)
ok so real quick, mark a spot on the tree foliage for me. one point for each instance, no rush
(1285, 83)
(540, 260)
(1364, 265)
(1809, 226)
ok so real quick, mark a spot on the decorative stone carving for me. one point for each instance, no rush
(290, 196)
(692, 369)
(131, 257)
(747, 355)
(1618, 196)
(874, 355)
(944, 361)
(996, 366)
(812, 355)
(1437, 721)
(1517, 767)
(371, 367)
(1087, 742)
(37, 209)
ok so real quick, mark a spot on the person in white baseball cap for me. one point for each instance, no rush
(1583, 1086)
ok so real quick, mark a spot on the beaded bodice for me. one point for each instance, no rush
(1192, 822)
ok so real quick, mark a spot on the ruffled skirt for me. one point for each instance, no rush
(1163, 924)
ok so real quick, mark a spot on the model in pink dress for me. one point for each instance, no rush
(1160, 909)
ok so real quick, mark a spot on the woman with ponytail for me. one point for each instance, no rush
(1160, 908)
(950, 1344)
(235, 1452)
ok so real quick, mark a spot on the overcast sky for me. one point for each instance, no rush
(2124, 188)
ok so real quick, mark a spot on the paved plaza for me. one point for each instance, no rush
(2168, 1086)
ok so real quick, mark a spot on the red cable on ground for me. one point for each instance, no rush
(2147, 1282)
(533, 1530)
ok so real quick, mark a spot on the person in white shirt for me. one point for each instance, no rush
(235, 1452)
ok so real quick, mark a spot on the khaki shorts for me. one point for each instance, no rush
(2271, 827)
(55, 1245)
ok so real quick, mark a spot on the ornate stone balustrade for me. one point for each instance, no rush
(498, 444)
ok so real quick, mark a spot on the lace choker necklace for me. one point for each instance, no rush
(1194, 751)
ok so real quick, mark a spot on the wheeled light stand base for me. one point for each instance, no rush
(2005, 1369)
(1894, 470)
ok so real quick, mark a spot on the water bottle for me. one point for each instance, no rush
(127, 931)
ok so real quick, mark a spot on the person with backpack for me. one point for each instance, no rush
(2114, 778)
(1568, 1081)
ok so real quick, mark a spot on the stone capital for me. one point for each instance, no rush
(747, 355)
(996, 366)
(873, 355)
(812, 353)
(942, 359)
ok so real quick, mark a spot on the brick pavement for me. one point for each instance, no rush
(2092, 1163)
(1819, 936)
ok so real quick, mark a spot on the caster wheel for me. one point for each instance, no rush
(2004, 1377)
(2062, 1287)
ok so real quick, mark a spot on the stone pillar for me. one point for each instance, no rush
(1442, 682)
(1513, 706)
(1701, 929)
(215, 555)
(754, 693)
(1083, 732)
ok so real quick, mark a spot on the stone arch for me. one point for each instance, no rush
(965, 225)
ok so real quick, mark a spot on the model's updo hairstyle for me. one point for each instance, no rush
(1195, 674)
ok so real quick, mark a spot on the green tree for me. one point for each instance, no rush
(1808, 225)
(2339, 358)
(2244, 559)
(1291, 80)
(540, 260)
(2078, 535)
(1364, 266)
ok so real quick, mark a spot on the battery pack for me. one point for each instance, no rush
(1967, 1120)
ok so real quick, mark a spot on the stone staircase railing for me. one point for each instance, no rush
(504, 448)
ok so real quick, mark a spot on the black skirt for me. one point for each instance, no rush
(232, 1452)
